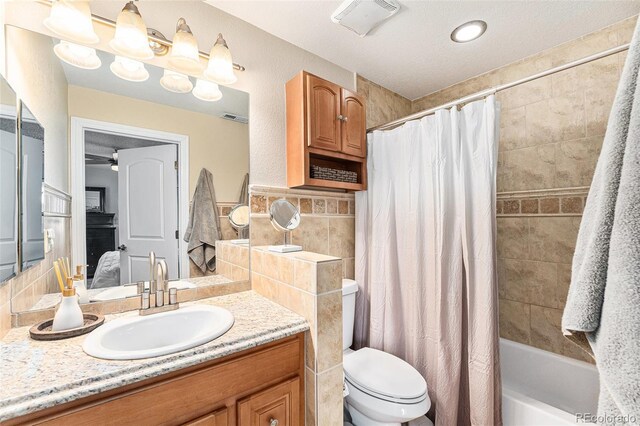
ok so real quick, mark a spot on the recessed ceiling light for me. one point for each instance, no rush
(468, 31)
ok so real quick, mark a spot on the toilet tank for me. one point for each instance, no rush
(349, 289)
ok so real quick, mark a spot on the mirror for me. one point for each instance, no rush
(239, 216)
(284, 217)
(31, 226)
(137, 154)
(8, 187)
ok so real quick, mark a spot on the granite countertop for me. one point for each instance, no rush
(36, 374)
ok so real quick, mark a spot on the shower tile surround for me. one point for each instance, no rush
(551, 131)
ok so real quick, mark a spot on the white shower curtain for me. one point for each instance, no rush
(425, 257)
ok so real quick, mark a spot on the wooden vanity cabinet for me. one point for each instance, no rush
(263, 386)
(326, 127)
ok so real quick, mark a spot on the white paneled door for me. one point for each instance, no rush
(148, 210)
(8, 225)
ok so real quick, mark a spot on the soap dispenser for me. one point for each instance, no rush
(69, 314)
(78, 284)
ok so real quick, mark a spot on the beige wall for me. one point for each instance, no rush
(551, 131)
(382, 104)
(222, 146)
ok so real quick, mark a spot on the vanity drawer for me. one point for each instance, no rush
(201, 395)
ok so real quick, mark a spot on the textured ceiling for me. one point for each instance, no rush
(412, 53)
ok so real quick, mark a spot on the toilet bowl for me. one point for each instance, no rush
(383, 390)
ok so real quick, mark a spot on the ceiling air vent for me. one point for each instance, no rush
(234, 117)
(361, 16)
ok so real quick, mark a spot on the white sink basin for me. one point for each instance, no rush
(122, 291)
(158, 334)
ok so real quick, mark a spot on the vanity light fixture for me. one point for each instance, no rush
(131, 37)
(207, 91)
(128, 69)
(72, 20)
(220, 66)
(185, 55)
(468, 31)
(176, 82)
(77, 55)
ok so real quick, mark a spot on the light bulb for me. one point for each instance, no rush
(185, 55)
(77, 55)
(128, 69)
(72, 20)
(131, 38)
(220, 66)
(207, 91)
(176, 82)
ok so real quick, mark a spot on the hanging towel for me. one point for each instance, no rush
(204, 224)
(602, 313)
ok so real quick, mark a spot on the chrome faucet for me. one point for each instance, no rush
(153, 301)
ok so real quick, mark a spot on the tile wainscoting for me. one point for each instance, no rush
(327, 223)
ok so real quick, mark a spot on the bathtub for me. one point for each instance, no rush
(540, 388)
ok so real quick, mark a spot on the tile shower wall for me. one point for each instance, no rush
(327, 225)
(382, 104)
(23, 291)
(551, 131)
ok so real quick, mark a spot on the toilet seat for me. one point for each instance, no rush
(384, 376)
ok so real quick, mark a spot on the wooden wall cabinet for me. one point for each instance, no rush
(263, 386)
(326, 127)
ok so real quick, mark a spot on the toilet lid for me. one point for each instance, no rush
(384, 374)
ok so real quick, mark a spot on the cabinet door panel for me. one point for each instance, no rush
(354, 134)
(279, 405)
(217, 418)
(323, 109)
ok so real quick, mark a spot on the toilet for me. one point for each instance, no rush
(383, 390)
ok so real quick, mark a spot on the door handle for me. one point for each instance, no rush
(122, 247)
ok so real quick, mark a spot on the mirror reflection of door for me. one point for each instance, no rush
(148, 206)
(32, 172)
(131, 202)
(8, 162)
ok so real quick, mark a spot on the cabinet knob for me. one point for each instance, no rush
(122, 247)
(273, 422)
(340, 117)
(345, 118)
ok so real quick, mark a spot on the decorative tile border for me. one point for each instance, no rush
(545, 202)
(309, 202)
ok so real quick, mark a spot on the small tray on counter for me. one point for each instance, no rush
(42, 330)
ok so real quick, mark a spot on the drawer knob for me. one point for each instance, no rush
(273, 422)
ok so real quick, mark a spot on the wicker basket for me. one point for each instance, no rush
(327, 173)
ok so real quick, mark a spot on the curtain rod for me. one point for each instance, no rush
(483, 93)
(152, 36)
